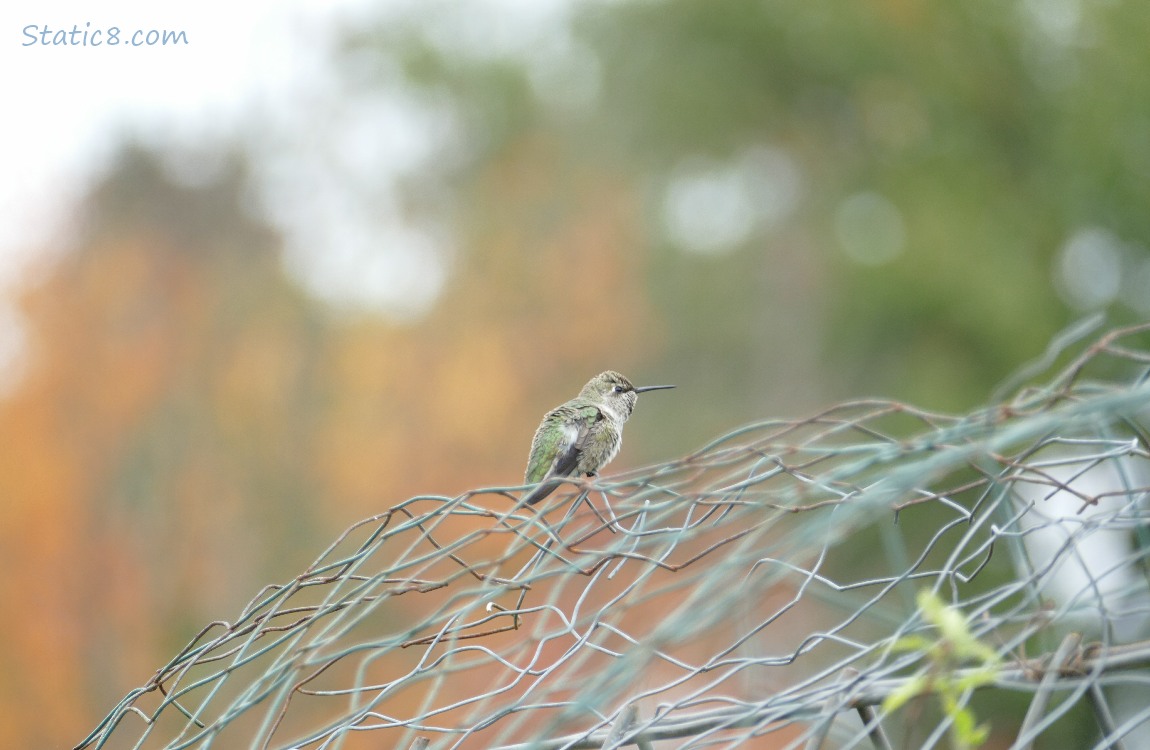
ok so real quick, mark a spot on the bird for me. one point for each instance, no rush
(581, 436)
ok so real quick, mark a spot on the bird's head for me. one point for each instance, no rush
(616, 392)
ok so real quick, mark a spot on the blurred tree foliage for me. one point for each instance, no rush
(149, 470)
(910, 173)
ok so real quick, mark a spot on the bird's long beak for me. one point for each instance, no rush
(652, 388)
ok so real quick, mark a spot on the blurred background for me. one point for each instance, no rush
(325, 256)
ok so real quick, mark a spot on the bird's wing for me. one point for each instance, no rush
(555, 452)
(559, 441)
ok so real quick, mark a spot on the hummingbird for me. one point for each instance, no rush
(583, 435)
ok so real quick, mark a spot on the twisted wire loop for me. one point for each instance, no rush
(750, 594)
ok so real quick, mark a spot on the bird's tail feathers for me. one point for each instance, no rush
(541, 490)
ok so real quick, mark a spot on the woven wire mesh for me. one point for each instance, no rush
(751, 594)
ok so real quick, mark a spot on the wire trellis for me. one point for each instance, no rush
(764, 591)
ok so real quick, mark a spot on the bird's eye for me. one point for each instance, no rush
(619, 389)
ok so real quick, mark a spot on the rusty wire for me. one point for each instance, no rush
(750, 594)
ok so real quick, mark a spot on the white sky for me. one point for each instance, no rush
(68, 106)
(64, 103)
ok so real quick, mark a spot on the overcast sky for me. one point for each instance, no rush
(65, 102)
(71, 104)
